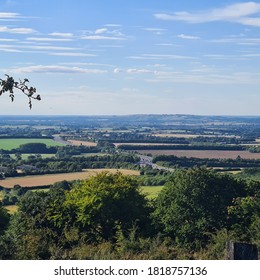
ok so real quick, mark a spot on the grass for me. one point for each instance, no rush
(13, 143)
(11, 209)
(151, 191)
(25, 156)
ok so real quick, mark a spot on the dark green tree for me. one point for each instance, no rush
(4, 219)
(102, 203)
(193, 205)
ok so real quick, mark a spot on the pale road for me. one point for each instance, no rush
(147, 160)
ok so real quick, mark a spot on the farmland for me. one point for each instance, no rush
(83, 143)
(9, 144)
(38, 174)
(43, 180)
(203, 154)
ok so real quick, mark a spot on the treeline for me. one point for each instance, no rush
(174, 161)
(25, 132)
(66, 164)
(182, 147)
(108, 217)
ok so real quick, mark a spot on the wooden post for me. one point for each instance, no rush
(241, 251)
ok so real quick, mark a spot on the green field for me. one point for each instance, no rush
(151, 191)
(13, 143)
(25, 156)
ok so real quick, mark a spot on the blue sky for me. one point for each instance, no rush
(133, 57)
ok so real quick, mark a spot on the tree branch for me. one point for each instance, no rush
(9, 84)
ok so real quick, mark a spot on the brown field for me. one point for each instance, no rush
(145, 144)
(83, 143)
(203, 153)
(48, 179)
(183, 135)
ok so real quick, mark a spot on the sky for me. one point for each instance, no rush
(132, 57)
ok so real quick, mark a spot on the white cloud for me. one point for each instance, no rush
(99, 37)
(75, 54)
(188, 37)
(41, 39)
(61, 34)
(239, 13)
(57, 69)
(17, 30)
(101, 31)
(113, 25)
(8, 40)
(117, 70)
(139, 71)
(9, 15)
(160, 57)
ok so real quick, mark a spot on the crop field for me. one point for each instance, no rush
(203, 153)
(83, 143)
(145, 144)
(13, 143)
(48, 179)
(183, 135)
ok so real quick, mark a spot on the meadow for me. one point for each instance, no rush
(13, 143)
(151, 191)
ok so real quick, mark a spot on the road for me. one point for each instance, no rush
(149, 161)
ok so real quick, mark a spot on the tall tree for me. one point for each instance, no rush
(193, 205)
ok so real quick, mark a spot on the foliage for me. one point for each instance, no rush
(4, 218)
(193, 205)
(98, 205)
(9, 85)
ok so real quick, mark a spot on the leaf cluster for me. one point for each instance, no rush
(9, 85)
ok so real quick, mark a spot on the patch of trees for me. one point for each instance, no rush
(36, 148)
(174, 161)
(21, 132)
(182, 147)
(135, 137)
(107, 217)
(66, 163)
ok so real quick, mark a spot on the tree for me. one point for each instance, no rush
(193, 205)
(102, 203)
(9, 85)
(4, 218)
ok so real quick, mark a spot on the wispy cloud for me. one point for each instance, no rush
(103, 34)
(57, 69)
(100, 31)
(17, 30)
(188, 37)
(160, 57)
(100, 37)
(9, 15)
(75, 54)
(244, 13)
(48, 39)
(61, 34)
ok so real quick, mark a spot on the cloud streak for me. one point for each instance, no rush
(188, 37)
(244, 13)
(17, 30)
(49, 69)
